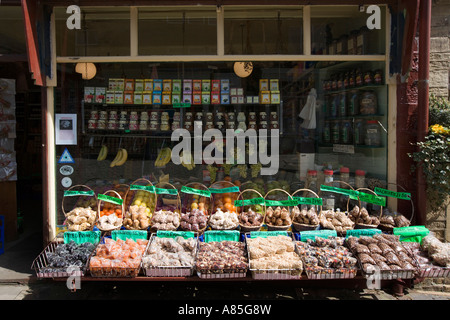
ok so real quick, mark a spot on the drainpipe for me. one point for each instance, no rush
(423, 98)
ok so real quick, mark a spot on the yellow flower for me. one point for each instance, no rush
(439, 129)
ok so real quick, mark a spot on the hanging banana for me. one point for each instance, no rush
(116, 159)
(123, 158)
(103, 153)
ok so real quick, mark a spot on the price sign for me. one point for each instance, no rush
(82, 236)
(110, 199)
(265, 234)
(370, 198)
(393, 194)
(145, 188)
(305, 235)
(347, 192)
(224, 190)
(72, 193)
(288, 203)
(202, 193)
(174, 234)
(362, 232)
(166, 191)
(309, 201)
(249, 202)
(128, 234)
(221, 235)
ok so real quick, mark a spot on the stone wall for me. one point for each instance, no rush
(440, 48)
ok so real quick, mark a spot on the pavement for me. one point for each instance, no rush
(18, 282)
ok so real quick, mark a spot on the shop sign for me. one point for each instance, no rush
(66, 182)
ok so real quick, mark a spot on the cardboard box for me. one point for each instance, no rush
(111, 84)
(225, 86)
(128, 97)
(206, 85)
(240, 91)
(215, 86)
(166, 98)
(157, 97)
(215, 98)
(197, 85)
(120, 85)
(275, 97)
(187, 98)
(129, 85)
(147, 97)
(206, 98)
(176, 98)
(264, 97)
(196, 98)
(89, 94)
(264, 85)
(100, 94)
(167, 86)
(118, 97)
(110, 97)
(137, 97)
(187, 86)
(225, 98)
(249, 99)
(274, 85)
(234, 99)
(240, 99)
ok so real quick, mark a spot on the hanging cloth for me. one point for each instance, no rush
(308, 113)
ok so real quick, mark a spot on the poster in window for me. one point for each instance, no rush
(65, 129)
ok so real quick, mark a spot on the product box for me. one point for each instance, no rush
(263, 84)
(196, 98)
(187, 98)
(215, 87)
(129, 85)
(224, 98)
(187, 86)
(137, 97)
(110, 97)
(147, 97)
(139, 85)
(89, 94)
(157, 85)
(148, 85)
(167, 86)
(176, 98)
(120, 85)
(225, 86)
(197, 85)
(233, 92)
(166, 98)
(240, 99)
(176, 86)
(255, 99)
(112, 84)
(157, 96)
(275, 97)
(234, 99)
(100, 94)
(206, 85)
(206, 98)
(118, 97)
(240, 91)
(274, 85)
(264, 97)
(249, 99)
(215, 98)
(128, 97)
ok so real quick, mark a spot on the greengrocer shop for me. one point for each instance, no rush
(317, 90)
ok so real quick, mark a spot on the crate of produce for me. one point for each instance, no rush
(119, 255)
(327, 258)
(273, 256)
(68, 256)
(383, 256)
(221, 255)
(170, 254)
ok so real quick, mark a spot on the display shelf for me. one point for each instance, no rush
(357, 116)
(365, 87)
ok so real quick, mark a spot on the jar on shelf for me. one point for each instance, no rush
(373, 133)
(334, 105)
(358, 132)
(368, 78)
(220, 117)
(378, 76)
(188, 117)
(209, 117)
(113, 115)
(94, 115)
(263, 125)
(352, 79)
(175, 125)
(133, 125)
(346, 80)
(360, 179)
(340, 81)
(209, 125)
(274, 125)
(176, 116)
(334, 131)
(263, 116)
(123, 124)
(134, 116)
(311, 180)
(220, 126)
(326, 132)
(123, 116)
(198, 116)
(153, 126)
(274, 116)
(252, 125)
(92, 124)
(342, 111)
(353, 102)
(143, 125)
(346, 132)
(164, 125)
(154, 116)
(231, 116)
(344, 176)
(144, 116)
(103, 115)
(368, 103)
(328, 197)
(101, 124)
(251, 116)
(241, 117)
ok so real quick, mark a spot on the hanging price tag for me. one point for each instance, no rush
(145, 188)
(72, 193)
(224, 190)
(82, 236)
(110, 199)
(166, 191)
(202, 193)
(248, 202)
(288, 203)
(370, 198)
(362, 232)
(393, 194)
(347, 192)
(309, 201)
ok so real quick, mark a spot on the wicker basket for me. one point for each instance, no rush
(359, 225)
(388, 228)
(243, 228)
(271, 227)
(131, 195)
(78, 204)
(168, 271)
(301, 226)
(99, 209)
(217, 200)
(166, 200)
(187, 201)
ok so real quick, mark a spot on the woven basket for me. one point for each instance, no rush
(166, 200)
(306, 227)
(77, 205)
(242, 227)
(131, 195)
(390, 229)
(187, 200)
(216, 197)
(271, 227)
(99, 209)
(362, 225)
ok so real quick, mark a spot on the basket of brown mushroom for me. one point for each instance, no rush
(279, 205)
(361, 216)
(390, 220)
(306, 214)
(196, 201)
(251, 207)
(140, 202)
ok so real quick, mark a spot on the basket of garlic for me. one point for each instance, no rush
(224, 213)
(82, 216)
(141, 201)
(110, 211)
(168, 207)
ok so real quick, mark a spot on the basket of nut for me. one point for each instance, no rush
(279, 218)
(251, 207)
(168, 208)
(306, 213)
(82, 217)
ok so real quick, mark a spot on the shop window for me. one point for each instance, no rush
(177, 31)
(12, 31)
(103, 32)
(263, 30)
(343, 30)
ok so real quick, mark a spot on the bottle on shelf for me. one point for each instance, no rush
(328, 197)
(360, 179)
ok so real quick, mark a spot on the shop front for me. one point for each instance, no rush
(179, 108)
